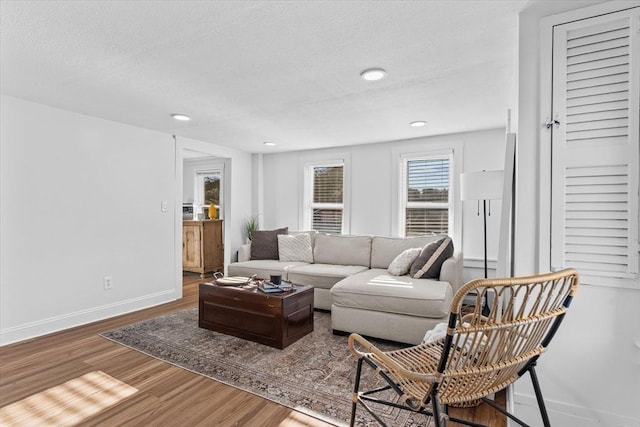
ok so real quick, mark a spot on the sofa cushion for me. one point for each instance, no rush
(402, 263)
(295, 247)
(322, 275)
(342, 250)
(385, 249)
(429, 262)
(264, 243)
(262, 268)
(377, 290)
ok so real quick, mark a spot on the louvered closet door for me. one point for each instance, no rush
(594, 212)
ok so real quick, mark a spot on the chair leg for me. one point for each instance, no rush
(498, 408)
(435, 408)
(536, 388)
(354, 397)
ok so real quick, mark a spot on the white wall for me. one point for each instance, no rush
(188, 187)
(80, 200)
(591, 373)
(373, 185)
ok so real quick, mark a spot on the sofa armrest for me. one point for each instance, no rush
(451, 271)
(244, 252)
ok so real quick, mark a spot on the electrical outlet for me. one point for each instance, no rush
(108, 283)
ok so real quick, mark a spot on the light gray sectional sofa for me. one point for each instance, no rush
(350, 278)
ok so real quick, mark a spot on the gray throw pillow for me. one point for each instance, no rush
(429, 262)
(264, 243)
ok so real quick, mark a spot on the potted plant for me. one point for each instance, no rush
(250, 225)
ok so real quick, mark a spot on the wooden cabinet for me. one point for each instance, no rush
(202, 247)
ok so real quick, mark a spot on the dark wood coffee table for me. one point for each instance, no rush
(276, 320)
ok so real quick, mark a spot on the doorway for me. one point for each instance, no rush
(193, 157)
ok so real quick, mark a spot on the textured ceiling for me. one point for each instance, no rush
(255, 71)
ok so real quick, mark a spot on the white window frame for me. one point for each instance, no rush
(404, 204)
(198, 188)
(309, 205)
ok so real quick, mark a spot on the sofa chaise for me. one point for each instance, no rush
(350, 275)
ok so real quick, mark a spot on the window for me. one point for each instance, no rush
(324, 197)
(426, 202)
(208, 189)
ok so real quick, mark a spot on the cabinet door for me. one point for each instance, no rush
(191, 253)
(596, 83)
(218, 251)
(212, 244)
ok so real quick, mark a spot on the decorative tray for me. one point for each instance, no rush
(233, 281)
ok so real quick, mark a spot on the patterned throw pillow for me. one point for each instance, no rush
(295, 247)
(264, 243)
(402, 263)
(429, 262)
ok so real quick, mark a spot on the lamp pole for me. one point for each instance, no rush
(485, 305)
(484, 185)
(484, 206)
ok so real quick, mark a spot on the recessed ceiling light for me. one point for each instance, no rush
(269, 143)
(181, 117)
(418, 123)
(373, 74)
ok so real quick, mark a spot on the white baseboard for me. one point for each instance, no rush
(82, 317)
(567, 415)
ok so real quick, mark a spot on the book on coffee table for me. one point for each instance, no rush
(271, 288)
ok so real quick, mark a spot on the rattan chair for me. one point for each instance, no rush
(480, 354)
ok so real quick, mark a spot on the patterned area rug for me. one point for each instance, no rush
(313, 375)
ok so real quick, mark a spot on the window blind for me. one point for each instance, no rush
(327, 220)
(595, 149)
(327, 206)
(428, 180)
(427, 196)
(327, 184)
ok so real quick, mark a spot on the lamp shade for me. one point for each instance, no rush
(483, 185)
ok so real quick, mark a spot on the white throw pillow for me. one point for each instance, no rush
(472, 340)
(439, 332)
(402, 263)
(295, 247)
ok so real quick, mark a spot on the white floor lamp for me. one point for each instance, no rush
(484, 185)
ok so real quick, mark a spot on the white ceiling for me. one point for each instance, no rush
(255, 71)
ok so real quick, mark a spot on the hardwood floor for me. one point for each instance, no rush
(77, 377)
